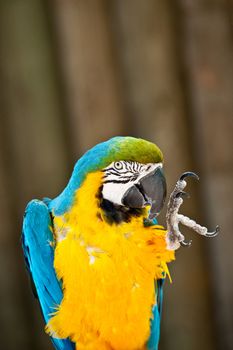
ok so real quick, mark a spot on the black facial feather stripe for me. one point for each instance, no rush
(133, 166)
(119, 176)
(117, 181)
(130, 177)
(130, 166)
(129, 172)
(116, 172)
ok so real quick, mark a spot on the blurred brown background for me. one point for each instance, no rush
(76, 72)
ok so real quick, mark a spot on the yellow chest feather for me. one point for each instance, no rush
(108, 274)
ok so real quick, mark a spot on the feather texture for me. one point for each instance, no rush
(37, 240)
(108, 274)
(153, 341)
(81, 235)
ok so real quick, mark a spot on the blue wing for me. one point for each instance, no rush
(39, 256)
(153, 341)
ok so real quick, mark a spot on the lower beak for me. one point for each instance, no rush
(150, 190)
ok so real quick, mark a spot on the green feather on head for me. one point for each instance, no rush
(100, 156)
(133, 149)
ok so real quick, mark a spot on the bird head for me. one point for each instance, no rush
(132, 178)
(135, 185)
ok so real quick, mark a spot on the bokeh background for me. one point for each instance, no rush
(76, 72)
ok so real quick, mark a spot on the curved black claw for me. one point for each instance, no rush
(213, 234)
(182, 194)
(189, 173)
(186, 244)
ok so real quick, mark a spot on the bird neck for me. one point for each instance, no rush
(89, 203)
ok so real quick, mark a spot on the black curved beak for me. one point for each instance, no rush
(150, 190)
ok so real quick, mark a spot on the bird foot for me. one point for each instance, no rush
(174, 237)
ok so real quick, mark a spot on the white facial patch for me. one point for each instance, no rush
(115, 191)
(120, 176)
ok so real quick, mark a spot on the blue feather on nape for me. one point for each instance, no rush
(37, 239)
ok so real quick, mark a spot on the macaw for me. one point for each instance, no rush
(96, 254)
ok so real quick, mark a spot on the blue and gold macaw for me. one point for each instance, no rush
(97, 256)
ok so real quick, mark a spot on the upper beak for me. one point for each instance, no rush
(150, 190)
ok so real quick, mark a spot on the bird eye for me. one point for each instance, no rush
(118, 165)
